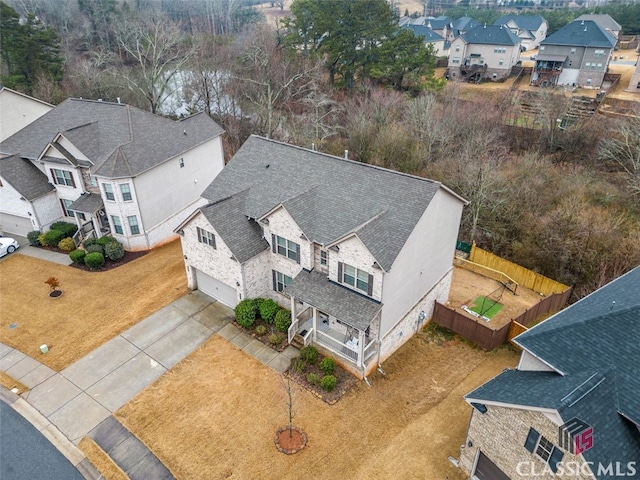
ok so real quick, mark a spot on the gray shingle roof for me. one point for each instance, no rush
(465, 23)
(119, 139)
(582, 34)
(228, 219)
(425, 32)
(348, 306)
(490, 35)
(88, 203)
(525, 22)
(25, 177)
(328, 197)
(605, 21)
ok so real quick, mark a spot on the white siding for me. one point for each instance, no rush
(167, 188)
(530, 363)
(18, 111)
(46, 211)
(71, 148)
(41, 212)
(425, 258)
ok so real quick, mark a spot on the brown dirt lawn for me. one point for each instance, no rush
(95, 306)
(216, 413)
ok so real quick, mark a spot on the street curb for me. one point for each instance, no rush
(51, 432)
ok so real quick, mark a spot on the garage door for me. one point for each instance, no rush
(14, 224)
(487, 470)
(216, 289)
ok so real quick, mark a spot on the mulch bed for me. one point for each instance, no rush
(279, 347)
(345, 381)
(108, 264)
(290, 440)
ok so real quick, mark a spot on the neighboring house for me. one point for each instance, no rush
(530, 29)
(485, 51)
(358, 253)
(111, 168)
(18, 110)
(463, 25)
(605, 21)
(634, 83)
(576, 55)
(582, 364)
(430, 38)
(441, 25)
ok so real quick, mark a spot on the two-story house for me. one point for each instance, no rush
(530, 29)
(112, 168)
(571, 408)
(430, 38)
(358, 253)
(484, 52)
(577, 55)
(18, 111)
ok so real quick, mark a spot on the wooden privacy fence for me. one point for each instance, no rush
(551, 304)
(487, 272)
(523, 276)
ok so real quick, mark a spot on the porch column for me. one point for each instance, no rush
(293, 310)
(314, 335)
(361, 346)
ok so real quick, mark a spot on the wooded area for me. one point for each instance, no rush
(562, 202)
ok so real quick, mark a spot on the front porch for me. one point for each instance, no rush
(336, 319)
(90, 217)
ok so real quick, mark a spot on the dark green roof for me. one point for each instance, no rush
(585, 33)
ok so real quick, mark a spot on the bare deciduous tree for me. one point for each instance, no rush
(623, 150)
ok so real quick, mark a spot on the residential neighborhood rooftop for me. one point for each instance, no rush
(490, 35)
(25, 177)
(527, 22)
(584, 33)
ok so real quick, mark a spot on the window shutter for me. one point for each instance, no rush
(340, 272)
(555, 459)
(273, 243)
(213, 237)
(273, 276)
(73, 181)
(370, 285)
(64, 208)
(532, 439)
(53, 176)
(297, 252)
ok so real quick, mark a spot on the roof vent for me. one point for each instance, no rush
(118, 99)
(346, 154)
(267, 165)
(100, 100)
(485, 25)
(184, 132)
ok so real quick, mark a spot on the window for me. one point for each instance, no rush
(587, 64)
(117, 225)
(285, 247)
(65, 207)
(93, 181)
(108, 192)
(589, 81)
(280, 280)
(598, 53)
(573, 50)
(544, 449)
(181, 162)
(81, 216)
(457, 48)
(62, 177)
(206, 237)
(501, 61)
(125, 189)
(542, 48)
(599, 65)
(499, 50)
(355, 277)
(323, 257)
(133, 225)
(455, 60)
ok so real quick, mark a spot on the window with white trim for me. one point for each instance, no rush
(133, 225)
(117, 224)
(62, 177)
(457, 48)
(93, 181)
(598, 53)
(544, 448)
(286, 248)
(65, 207)
(354, 277)
(125, 190)
(280, 280)
(181, 162)
(573, 50)
(323, 257)
(108, 192)
(206, 237)
(587, 64)
(501, 61)
(542, 48)
(455, 60)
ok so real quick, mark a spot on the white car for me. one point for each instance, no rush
(7, 245)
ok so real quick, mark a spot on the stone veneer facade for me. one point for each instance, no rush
(500, 434)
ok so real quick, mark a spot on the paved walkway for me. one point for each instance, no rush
(83, 395)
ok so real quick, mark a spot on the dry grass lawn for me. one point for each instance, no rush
(101, 460)
(95, 306)
(215, 415)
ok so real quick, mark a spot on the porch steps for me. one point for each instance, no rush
(297, 341)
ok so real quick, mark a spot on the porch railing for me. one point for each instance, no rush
(293, 329)
(308, 338)
(369, 351)
(336, 347)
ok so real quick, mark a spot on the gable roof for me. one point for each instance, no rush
(437, 23)
(425, 32)
(525, 22)
(584, 33)
(490, 35)
(465, 23)
(120, 140)
(605, 21)
(328, 197)
(25, 177)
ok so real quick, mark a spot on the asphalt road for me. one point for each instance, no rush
(25, 454)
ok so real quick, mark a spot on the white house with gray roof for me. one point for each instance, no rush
(358, 253)
(112, 168)
(18, 110)
(530, 29)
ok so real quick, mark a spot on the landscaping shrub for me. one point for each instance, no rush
(41, 239)
(93, 248)
(328, 382)
(68, 229)
(105, 240)
(94, 260)
(283, 319)
(77, 256)
(275, 339)
(298, 364)
(261, 330)
(67, 244)
(328, 365)
(33, 237)
(53, 237)
(313, 379)
(309, 354)
(114, 250)
(259, 301)
(89, 241)
(246, 312)
(268, 309)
